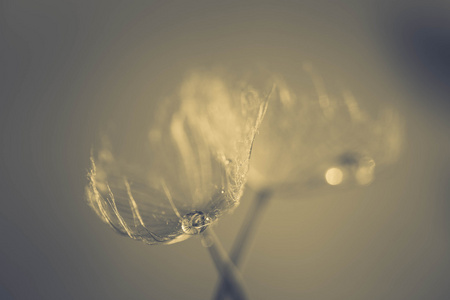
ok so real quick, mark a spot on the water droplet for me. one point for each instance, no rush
(207, 241)
(349, 159)
(365, 173)
(357, 168)
(194, 222)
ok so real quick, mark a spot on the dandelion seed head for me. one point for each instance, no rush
(168, 180)
(313, 137)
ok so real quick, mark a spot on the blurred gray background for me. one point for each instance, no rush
(68, 66)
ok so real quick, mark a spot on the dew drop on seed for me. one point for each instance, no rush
(207, 241)
(353, 166)
(194, 223)
(349, 159)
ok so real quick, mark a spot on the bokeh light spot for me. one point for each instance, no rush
(334, 176)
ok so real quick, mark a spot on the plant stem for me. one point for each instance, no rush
(227, 270)
(244, 238)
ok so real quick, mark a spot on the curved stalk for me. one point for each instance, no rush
(244, 238)
(227, 270)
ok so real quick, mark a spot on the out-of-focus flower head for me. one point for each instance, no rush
(311, 139)
(188, 168)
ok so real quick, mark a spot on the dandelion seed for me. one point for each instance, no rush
(311, 139)
(310, 142)
(170, 180)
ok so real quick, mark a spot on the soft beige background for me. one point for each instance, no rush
(69, 66)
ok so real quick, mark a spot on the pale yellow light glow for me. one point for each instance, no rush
(364, 176)
(334, 176)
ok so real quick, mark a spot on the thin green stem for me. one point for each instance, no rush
(227, 270)
(244, 238)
